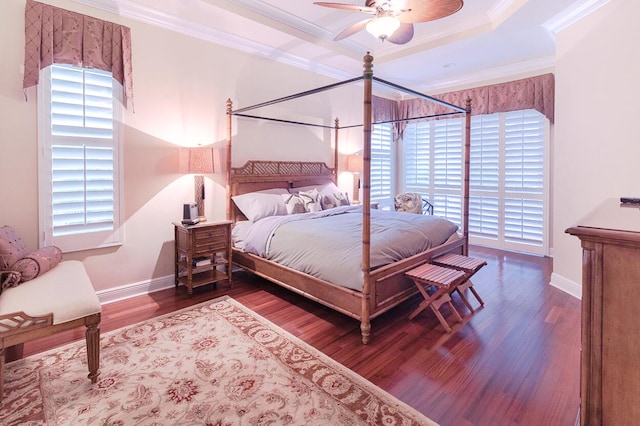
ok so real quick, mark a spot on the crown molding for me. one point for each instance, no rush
(533, 67)
(135, 11)
(128, 9)
(572, 14)
(502, 10)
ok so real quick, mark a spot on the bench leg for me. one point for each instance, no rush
(1, 372)
(428, 299)
(459, 289)
(92, 335)
(434, 301)
(469, 285)
(435, 307)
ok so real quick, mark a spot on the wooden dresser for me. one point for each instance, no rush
(610, 358)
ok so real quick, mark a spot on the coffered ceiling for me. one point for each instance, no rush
(486, 39)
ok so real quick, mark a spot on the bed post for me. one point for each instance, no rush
(467, 168)
(228, 171)
(335, 151)
(365, 324)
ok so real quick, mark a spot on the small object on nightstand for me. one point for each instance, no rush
(202, 253)
(629, 200)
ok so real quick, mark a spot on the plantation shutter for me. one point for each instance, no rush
(81, 149)
(484, 181)
(507, 182)
(447, 169)
(524, 177)
(82, 164)
(382, 163)
(417, 157)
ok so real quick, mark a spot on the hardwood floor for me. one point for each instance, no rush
(514, 362)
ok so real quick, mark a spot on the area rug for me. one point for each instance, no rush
(216, 363)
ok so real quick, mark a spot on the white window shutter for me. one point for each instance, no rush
(80, 177)
(417, 157)
(484, 181)
(508, 186)
(447, 169)
(382, 163)
(524, 177)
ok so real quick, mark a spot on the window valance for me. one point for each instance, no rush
(54, 35)
(529, 93)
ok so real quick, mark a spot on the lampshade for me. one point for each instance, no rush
(383, 26)
(354, 163)
(196, 160)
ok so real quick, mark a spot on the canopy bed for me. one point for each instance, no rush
(380, 282)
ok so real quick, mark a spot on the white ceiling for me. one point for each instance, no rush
(486, 39)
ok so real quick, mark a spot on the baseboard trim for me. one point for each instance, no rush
(136, 289)
(566, 285)
(146, 287)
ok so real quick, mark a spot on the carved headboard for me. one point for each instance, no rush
(260, 175)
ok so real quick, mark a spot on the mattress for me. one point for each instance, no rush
(328, 244)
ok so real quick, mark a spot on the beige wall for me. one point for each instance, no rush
(181, 85)
(597, 146)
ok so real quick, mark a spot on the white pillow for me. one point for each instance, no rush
(260, 204)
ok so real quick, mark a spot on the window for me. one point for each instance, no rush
(382, 182)
(432, 153)
(507, 179)
(79, 139)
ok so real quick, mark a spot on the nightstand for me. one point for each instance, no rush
(202, 254)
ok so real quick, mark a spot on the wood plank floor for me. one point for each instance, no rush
(514, 362)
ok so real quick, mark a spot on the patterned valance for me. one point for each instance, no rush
(529, 93)
(54, 35)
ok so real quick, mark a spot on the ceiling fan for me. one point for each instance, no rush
(393, 19)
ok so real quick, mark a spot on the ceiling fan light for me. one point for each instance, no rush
(383, 26)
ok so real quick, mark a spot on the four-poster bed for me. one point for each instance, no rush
(383, 286)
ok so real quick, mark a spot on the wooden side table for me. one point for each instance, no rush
(202, 254)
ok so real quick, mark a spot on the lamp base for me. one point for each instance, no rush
(356, 189)
(199, 190)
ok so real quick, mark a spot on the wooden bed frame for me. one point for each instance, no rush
(384, 287)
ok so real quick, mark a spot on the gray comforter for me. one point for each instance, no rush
(328, 244)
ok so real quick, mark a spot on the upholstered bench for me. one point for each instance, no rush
(60, 299)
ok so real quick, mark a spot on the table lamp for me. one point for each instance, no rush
(197, 161)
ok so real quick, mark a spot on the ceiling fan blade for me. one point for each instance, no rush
(344, 6)
(428, 10)
(402, 35)
(358, 26)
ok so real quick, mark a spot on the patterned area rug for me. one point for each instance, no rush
(217, 363)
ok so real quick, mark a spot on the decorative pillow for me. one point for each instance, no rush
(302, 202)
(312, 200)
(37, 262)
(408, 202)
(336, 199)
(260, 204)
(12, 248)
(9, 279)
(323, 189)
